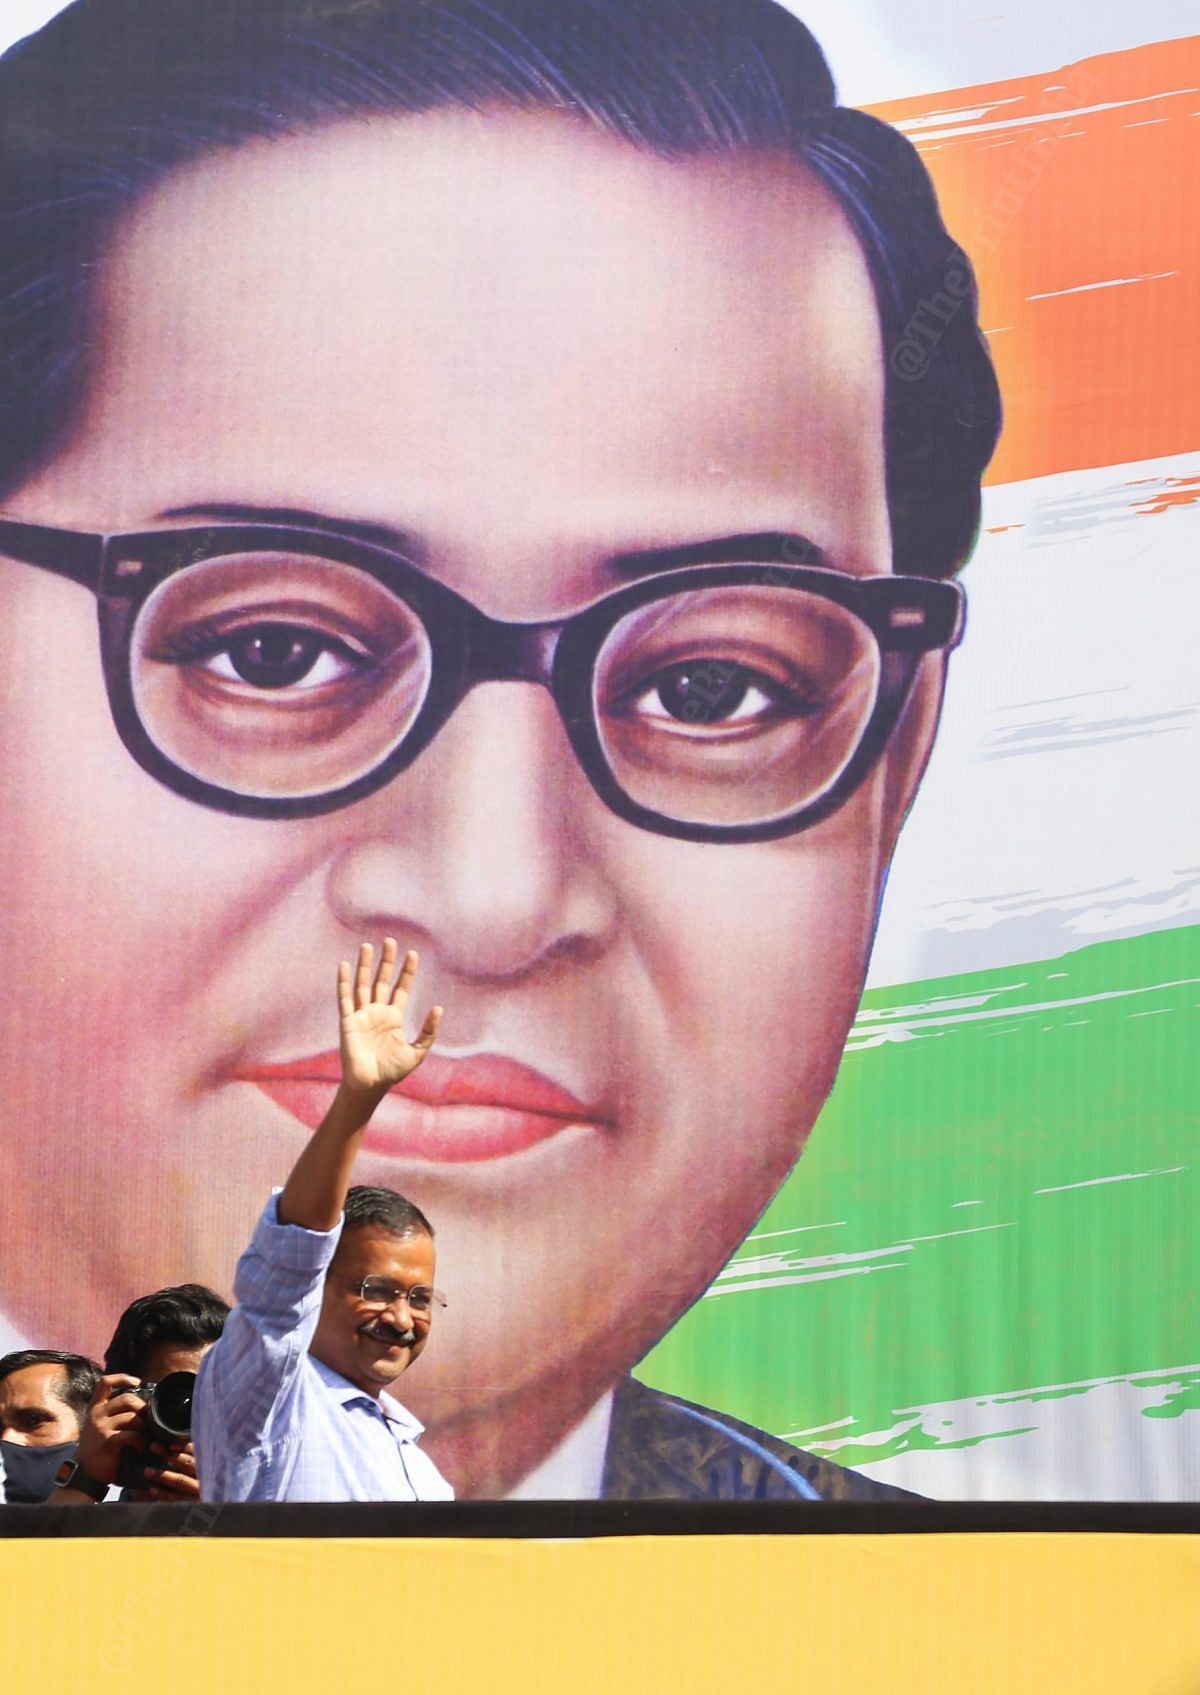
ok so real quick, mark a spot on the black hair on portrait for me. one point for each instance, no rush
(113, 94)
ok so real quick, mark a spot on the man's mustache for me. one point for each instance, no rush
(381, 1332)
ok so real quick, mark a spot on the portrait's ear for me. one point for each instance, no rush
(910, 747)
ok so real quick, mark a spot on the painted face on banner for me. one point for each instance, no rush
(532, 350)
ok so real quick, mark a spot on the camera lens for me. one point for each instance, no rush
(170, 1408)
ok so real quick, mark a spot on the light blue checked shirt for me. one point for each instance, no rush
(273, 1424)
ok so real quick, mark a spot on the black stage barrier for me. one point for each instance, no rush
(506, 1520)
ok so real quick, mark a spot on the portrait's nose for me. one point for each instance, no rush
(18, 1438)
(481, 845)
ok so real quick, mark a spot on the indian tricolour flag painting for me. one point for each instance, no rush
(982, 1279)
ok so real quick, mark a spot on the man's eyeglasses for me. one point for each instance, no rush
(275, 671)
(382, 1292)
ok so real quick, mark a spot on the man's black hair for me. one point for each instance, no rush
(186, 1316)
(79, 1379)
(113, 94)
(384, 1209)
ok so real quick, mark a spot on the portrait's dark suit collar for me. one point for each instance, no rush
(661, 1448)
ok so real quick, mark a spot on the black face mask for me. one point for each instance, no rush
(29, 1472)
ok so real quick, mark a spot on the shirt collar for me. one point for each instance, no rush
(574, 1470)
(347, 1393)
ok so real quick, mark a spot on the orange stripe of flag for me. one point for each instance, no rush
(1075, 193)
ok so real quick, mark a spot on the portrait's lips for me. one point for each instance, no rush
(449, 1111)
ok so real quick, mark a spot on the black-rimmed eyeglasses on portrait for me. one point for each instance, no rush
(737, 692)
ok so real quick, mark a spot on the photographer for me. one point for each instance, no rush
(122, 1443)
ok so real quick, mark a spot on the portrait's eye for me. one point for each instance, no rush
(272, 656)
(277, 675)
(734, 705)
(712, 691)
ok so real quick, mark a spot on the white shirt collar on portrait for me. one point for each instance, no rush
(10, 1339)
(574, 1470)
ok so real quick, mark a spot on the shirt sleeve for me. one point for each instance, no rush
(247, 1377)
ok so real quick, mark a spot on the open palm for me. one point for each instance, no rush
(376, 1053)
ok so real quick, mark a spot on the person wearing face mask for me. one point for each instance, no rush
(44, 1395)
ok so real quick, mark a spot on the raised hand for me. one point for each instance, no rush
(376, 1053)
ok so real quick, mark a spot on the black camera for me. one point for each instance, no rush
(166, 1417)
